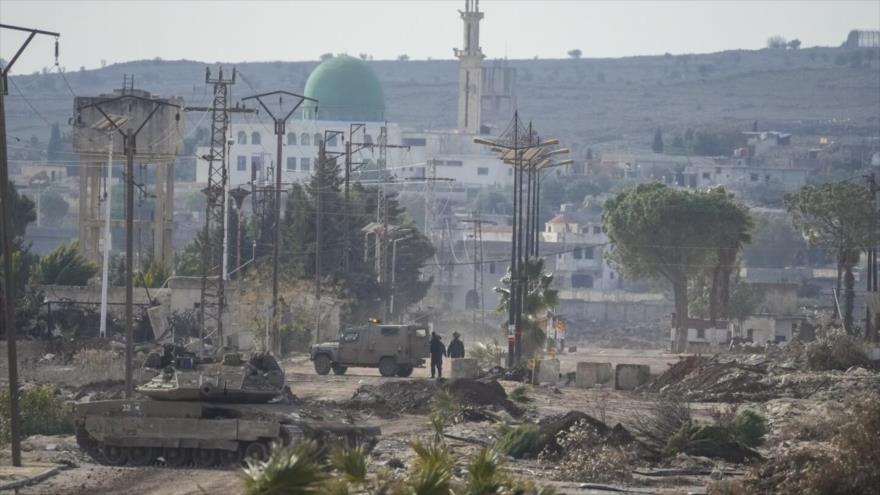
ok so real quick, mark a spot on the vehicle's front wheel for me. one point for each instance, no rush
(387, 366)
(404, 370)
(338, 369)
(322, 364)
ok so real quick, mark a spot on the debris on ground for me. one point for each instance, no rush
(758, 378)
(414, 396)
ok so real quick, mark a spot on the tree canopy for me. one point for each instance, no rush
(64, 265)
(673, 235)
(840, 218)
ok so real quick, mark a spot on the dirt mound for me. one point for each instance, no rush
(396, 397)
(414, 396)
(757, 379)
(470, 393)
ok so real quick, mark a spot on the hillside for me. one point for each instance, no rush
(601, 103)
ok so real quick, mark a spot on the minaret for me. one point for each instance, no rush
(470, 72)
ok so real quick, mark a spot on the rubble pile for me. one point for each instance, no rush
(478, 393)
(578, 447)
(395, 397)
(414, 396)
(758, 378)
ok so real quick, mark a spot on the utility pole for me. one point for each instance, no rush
(7, 235)
(320, 173)
(872, 321)
(280, 124)
(212, 298)
(129, 140)
(477, 235)
(350, 148)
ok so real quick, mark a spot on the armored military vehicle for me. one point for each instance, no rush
(394, 349)
(203, 413)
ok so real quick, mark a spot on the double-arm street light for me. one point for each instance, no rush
(521, 147)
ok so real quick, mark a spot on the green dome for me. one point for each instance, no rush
(347, 89)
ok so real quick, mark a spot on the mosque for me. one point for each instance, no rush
(349, 92)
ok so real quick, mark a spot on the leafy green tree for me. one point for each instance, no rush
(732, 232)
(673, 235)
(657, 145)
(299, 231)
(839, 217)
(539, 299)
(53, 208)
(64, 265)
(23, 211)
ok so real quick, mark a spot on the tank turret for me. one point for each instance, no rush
(232, 379)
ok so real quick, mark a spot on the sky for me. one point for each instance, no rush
(239, 31)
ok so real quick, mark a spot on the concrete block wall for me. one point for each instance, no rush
(631, 376)
(589, 374)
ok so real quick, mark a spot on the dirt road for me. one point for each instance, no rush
(86, 477)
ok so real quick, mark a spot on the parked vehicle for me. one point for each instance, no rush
(394, 349)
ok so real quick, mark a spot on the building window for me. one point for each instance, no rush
(318, 139)
(453, 163)
(255, 138)
(414, 142)
(578, 253)
(588, 253)
(581, 281)
(492, 267)
(368, 139)
(332, 140)
(597, 229)
(611, 275)
(701, 333)
(482, 170)
(754, 177)
(305, 140)
(767, 178)
(242, 137)
(291, 138)
(242, 164)
(305, 164)
(717, 170)
(707, 175)
(291, 163)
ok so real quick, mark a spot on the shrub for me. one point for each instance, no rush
(94, 358)
(586, 456)
(443, 409)
(518, 441)
(835, 350)
(749, 428)
(42, 413)
(291, 470)
(665, 419)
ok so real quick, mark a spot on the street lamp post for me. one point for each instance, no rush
(527, 156)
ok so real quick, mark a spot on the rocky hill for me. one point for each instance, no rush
(601, 103)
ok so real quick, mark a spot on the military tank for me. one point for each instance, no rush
(205, 413)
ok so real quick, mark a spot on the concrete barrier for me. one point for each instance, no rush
(630, 376)
(464, 368)
(547, 371)
(591, 374)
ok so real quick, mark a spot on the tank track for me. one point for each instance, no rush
(114, 455)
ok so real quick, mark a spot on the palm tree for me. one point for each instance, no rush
(539, 299)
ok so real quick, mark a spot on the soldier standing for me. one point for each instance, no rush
(456, 347)
(438, 350)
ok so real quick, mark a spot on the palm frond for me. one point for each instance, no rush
(289, 470)
(351, 463)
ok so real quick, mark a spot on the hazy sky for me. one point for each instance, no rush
(233, 31)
